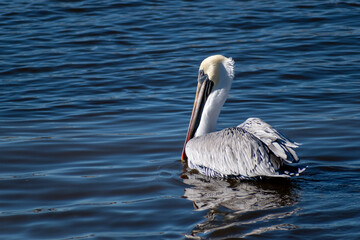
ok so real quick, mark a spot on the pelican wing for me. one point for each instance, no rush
(281, 146)
(232, 152)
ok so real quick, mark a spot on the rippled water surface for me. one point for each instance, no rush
(95, 98)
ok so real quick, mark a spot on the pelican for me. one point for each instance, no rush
(253, 149)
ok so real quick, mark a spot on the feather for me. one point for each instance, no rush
(254, 148)
(275, 141)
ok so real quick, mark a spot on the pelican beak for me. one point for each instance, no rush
(203, 90)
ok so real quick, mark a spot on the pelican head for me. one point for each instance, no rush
(214, 81)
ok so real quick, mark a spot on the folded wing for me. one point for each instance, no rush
(281, 146)
(252, 149)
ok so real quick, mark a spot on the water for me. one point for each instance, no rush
(95, 98)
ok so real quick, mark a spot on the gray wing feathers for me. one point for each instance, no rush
(232, 151)
(281, 146)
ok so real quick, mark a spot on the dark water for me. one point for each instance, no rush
(95, 98)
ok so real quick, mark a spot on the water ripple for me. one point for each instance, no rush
(95, 99)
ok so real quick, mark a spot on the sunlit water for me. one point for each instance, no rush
(95, 98)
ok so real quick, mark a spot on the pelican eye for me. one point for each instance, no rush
(202, 76)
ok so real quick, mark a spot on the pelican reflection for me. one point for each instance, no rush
(233, 204)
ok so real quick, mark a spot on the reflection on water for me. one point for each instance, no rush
(96, 96)
(231, 204)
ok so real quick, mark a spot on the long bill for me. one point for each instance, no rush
(202, 92)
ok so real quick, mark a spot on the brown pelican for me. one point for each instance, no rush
(252, 149)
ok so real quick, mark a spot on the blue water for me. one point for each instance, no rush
(95, 99)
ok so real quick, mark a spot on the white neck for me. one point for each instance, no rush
(214, 104)
(211, 112)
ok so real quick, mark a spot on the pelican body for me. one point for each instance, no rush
(252, 149)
